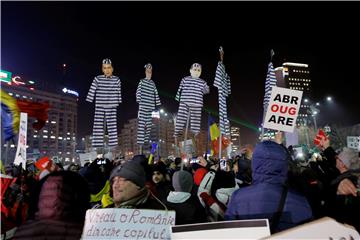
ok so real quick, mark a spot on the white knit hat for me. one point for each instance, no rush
(349, 157)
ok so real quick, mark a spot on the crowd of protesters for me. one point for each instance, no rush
(264, 182)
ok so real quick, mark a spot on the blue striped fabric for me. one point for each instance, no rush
(269, 83)
(222, 82)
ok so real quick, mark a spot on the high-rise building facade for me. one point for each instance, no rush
(296, 76)
(57, 138)
(162, 133)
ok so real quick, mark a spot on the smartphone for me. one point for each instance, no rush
(194, 160)
(223, 164)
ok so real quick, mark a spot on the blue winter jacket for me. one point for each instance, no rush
(261, 199)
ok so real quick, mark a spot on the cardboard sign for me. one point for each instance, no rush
(238, 229)
(121, 223)
(324, 228)
(353, 142)
(283, 109)
(292, 139)
(20, 156)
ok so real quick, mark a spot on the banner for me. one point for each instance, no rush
(283, 109)
(122, 223)
(238, 229)
(20, 156)
(353, 142)
(325, 228)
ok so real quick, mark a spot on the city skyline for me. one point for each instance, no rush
(39, 37)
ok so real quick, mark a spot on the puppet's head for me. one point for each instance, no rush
(195, 70)
(221, 51)
(107, 67)
(148, 71)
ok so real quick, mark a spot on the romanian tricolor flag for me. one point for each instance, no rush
(214, 133)
(10, 114)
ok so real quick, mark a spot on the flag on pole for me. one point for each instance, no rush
(10, 114)
(153, 148)
(214, 133)
(269, 83)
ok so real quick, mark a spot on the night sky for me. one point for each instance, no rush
(38, 37)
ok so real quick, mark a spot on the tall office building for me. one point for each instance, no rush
(161, 133)
(57, 138)
(296, 76)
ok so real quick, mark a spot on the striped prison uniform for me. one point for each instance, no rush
(190, 95)
(107, 94)
(148, 99)
(269, 83)
(222, 82)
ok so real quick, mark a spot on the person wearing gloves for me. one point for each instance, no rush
(187, 206)
(128, 188)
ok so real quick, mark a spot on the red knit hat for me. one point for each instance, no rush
(199, 175)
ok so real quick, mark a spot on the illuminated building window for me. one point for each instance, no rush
(45, 136)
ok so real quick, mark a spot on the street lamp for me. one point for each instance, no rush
(314, 111)
(329, 99)
(161, 110)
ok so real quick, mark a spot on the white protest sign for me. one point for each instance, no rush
(325, 228)
(353, 142)
(283, 109)
(292, 139)
(87, 157)
(122, 223)
(189, 146)
(20, 156)
(238, 229)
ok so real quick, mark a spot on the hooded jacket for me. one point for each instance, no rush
(61, 207)
(261, 199)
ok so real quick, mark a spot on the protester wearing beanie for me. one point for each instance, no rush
(188, 208)
(128, 188)
(159, 185)
(261, 199)
(350, 158)
(199, 175)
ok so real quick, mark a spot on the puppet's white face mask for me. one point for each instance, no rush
(195, 70)
(148, 73)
